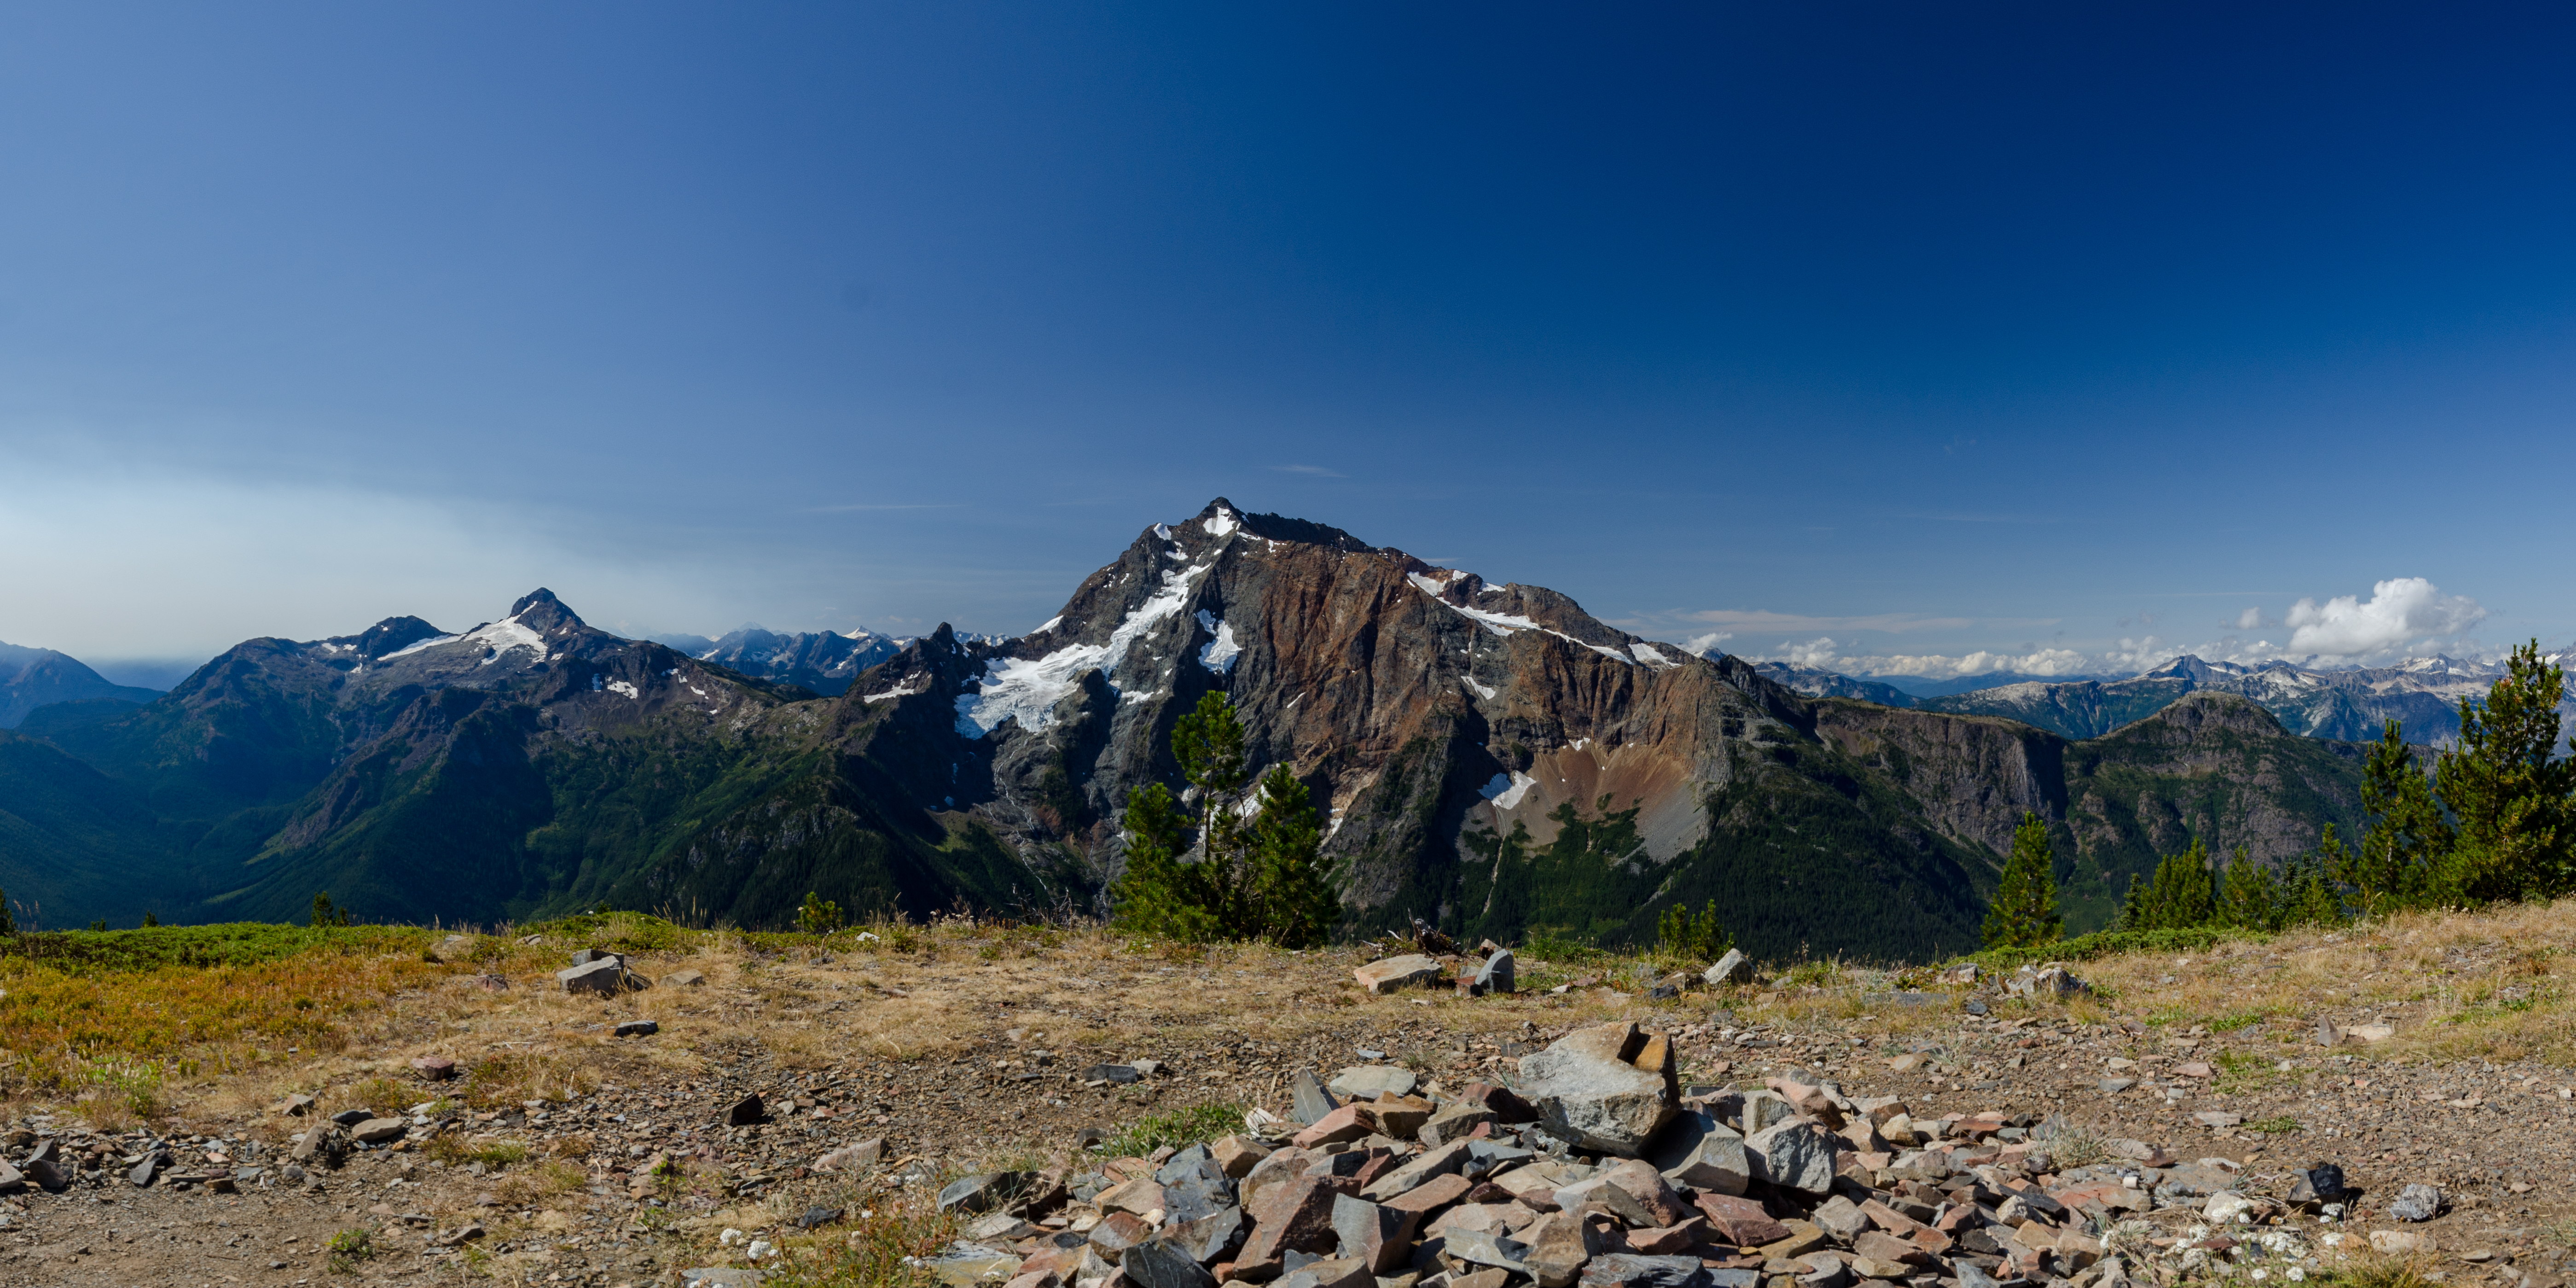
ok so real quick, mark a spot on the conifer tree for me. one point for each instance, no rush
(2024, 911)
(1693, 936)
(2250, 895)
(2516, 838)
(1292, 897)
(2405, 856)
(2307, 884)
(1260, 877)
(8, 920)
(2183, 893)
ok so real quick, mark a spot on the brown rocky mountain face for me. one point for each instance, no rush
(1494, 760)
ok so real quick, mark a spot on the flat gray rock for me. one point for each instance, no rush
(1368, 1081)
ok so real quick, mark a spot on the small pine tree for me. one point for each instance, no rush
(1159, 894)
(2512, 796)
(1292, 898)
(2024, 911)
(2183, 893)
(819, 916)
(326, 915)
(149, 921)
(2250, 895)
(2307, 884)
(1692, 937)
(8, 920)
(2406, 858)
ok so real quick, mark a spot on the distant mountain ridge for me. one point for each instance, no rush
(1489, 757)
(2423, 695)
(824, 661)
(39, 677)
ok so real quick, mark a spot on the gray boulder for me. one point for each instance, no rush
(1164, 1264)
(1795, 1155)
(2416, 1203)
(1699, 1151)
(1733, 968)
(1495, 976)
(1591, 1090)
(606, 977)
(1309, 1099)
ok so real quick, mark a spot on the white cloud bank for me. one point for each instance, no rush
(2402, 611)
(2404, 617)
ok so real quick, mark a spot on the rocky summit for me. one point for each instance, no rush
(1495, 760)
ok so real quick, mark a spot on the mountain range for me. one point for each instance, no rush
(1494, 760)
(823, 661)
(37, 677)
(2423, 696)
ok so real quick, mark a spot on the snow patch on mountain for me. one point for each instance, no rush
(1506, 790)
(1219, 654)
(1027, 689)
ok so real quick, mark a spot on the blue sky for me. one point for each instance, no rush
(2012, 331)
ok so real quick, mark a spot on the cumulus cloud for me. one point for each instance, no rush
(1705, 643)
(1815, 652)
(2400, 611)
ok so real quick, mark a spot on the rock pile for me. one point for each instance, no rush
(1597, 1168)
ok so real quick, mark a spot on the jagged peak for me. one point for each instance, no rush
(540, 611)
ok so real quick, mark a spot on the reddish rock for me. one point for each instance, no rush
(1439, 1192)
(1298, 1216)
(1740, 1221)
(1350, 1122)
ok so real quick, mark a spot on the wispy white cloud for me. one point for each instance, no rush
(1314, 471)
(1764, 622)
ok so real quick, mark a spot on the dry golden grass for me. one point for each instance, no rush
(211, 1041)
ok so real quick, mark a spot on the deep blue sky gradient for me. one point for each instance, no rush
(2003, 326)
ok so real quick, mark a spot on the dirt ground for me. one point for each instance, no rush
(971, 1046)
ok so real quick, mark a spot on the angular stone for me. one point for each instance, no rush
(1140, 1196)
(142, 1172)
(1235, 1155)
(1879, 1246)
(325, 1143)
(587, 956)
(1397, 1117)
(1209, 1239)
(1793, 1156)
(353, 1117)
(295, 1105)
(2416, 1203)
(1380, 1237)
(1765, 1109)
(1495, 976)
(1733, 968)
(983, 1192)
(1589, 1093)
(2400, 1242)
(1329, 1272)
(2323, 1183)
(1840, 1217)
(1162, 1264)
(1741, 1221)
(747, 1111)
(1508, 1108)
(638, 1029)
(606, 978)
(1456, 1121)
(1433, 1194)
(1665, 1240)
(1803, 1238)
(1699, 1151)
(1438, 1162)
(1369, 1081)
(1309, 1099)
(1120, 1074)
(377, 1131)
(685, 979)
(1348, 1123)
(1555, 1248)
(1637, 1192)
(1386, 975)
(1119, 1231)
(2365, 1034)
(434, 1068)
(1484, 1248)
(1629, 1270)
(1297, 1217)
